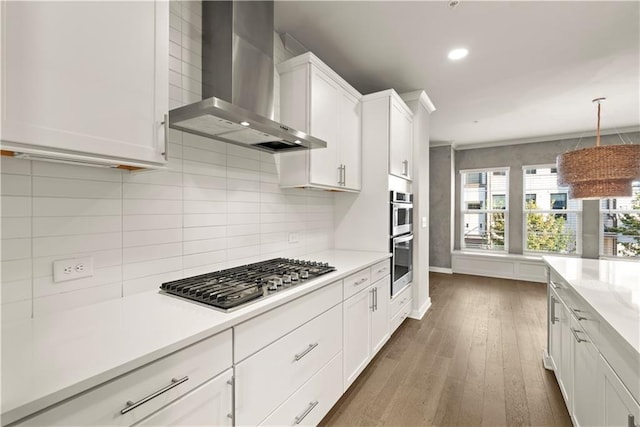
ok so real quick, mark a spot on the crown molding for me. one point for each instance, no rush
(420, 96)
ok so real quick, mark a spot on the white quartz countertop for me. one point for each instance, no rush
(48, 359)
(611, 288)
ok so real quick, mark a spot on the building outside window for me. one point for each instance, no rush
(484, 213)
(552, 222)
(620, 225)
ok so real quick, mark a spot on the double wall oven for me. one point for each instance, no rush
(401, 241)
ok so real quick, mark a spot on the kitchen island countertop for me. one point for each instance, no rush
(48, 359)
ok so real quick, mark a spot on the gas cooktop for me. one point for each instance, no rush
(231, 288)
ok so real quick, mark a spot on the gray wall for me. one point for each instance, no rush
(516, 156)
(441, 171)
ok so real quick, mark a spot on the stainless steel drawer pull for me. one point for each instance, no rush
(166, 137)
(575, 335)
(554, 319)
(575, 312)
(174, 383)
(305, 352)
(361, 281)
(302, 416)
(554, 285)
(382, 270)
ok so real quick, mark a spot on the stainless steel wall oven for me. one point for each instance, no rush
(401, 241)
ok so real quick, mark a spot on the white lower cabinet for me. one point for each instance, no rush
(365, 328)
(313, 400)
(399, 308)
(620, 408)
(266, 379)
(134, 396)
(211, 404)
(587, 379)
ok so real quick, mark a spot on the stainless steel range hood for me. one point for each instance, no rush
(237, 76)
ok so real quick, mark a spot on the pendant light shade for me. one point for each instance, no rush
(599, 172)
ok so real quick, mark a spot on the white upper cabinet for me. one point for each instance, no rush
(400, 138)
(86, 81)
(315, 100)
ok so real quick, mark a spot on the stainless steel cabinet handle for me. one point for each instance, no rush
(405, 167)
(575, 335)
(174, 383)
(575, 312)
(360, 282)
(554, 319)
(373, 304)
(554, 285)
(632, 422)
(301, 417)
(306, 351)
(166, 137)
(344, 175)
(375, 299)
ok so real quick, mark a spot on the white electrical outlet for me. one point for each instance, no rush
(294, 238)
(424, 222)
(71, 269)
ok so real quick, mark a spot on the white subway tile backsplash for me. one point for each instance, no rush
(200, 233)
(15, 166)
(15, 185)
(43, 286)
(43, 266)
(57, 206)
(150, 268)
(16, 206)
(61, 226)
(146, 253)
(17, 290)
(16, 270)
(61, 245)
(17, 227)
(215, 206)
(13, 249)
(145, 238)
(150, 222)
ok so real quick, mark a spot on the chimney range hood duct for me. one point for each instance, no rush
(237, 81)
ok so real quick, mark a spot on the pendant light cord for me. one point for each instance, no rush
(598, 129)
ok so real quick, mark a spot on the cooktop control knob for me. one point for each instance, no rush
(294, 276)
(272, 285)
(304, 274)
(286, 280)
(277, 281)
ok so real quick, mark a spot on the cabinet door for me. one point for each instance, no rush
(325, 119)
(620, 408)
(587, 379)
(86, 77)
(380, 314)
(350, 148)
(555, 334)
(210, 404)
(401, 141)
(356, 334)
(566, 369)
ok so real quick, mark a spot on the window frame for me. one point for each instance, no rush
(463, 210)
(525, 212)
(601, 213)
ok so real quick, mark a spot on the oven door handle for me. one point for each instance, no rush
(402, 239)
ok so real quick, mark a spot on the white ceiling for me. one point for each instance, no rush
(533, 67)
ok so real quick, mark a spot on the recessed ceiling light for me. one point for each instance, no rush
(297, 141)
(456, 54)
(244, 123)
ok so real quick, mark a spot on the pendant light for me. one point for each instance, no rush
(599, 172)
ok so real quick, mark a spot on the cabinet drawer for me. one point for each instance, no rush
(103, 404)
(269, 377)
(357, 282)
(313, 400)
(402, 314)
(589, 321)
(379, 270)
(260, 331)
(398, 301)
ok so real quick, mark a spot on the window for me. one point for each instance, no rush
(620, 225)
(484, 214)
(551, 220)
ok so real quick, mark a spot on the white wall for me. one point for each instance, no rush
(217, 206)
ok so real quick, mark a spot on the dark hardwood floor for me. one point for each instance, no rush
(475, 359)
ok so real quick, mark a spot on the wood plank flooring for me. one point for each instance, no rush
(475, 359)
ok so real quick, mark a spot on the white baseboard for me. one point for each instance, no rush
(419, 314)
(505, 266)
(440, 270)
